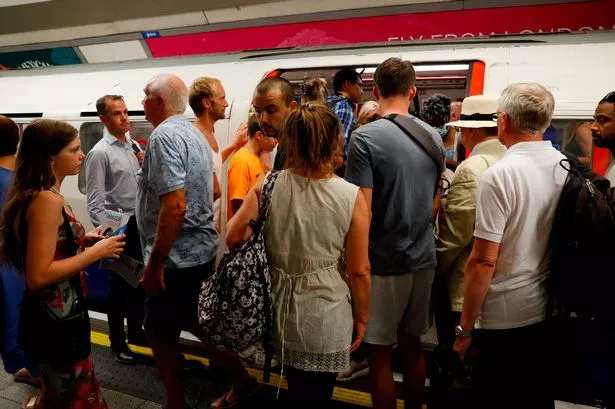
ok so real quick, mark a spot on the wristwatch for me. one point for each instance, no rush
(462, 333)
(156, 258)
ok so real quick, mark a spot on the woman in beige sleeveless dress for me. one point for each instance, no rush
(314, 219)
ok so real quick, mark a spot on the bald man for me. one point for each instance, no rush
(176, 222)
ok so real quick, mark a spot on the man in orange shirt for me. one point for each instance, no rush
(246, 168)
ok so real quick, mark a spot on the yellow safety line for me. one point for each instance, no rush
(340, 394)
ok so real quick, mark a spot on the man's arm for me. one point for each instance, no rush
(492, 212)
(456, 221)
(170, 220)
(478, 274)
(241, 138)
(168, 183)
(95, 173)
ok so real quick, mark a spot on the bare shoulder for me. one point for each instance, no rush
(46, 203)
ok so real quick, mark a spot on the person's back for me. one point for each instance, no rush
(398, 179)
(316, 239)
(308, 222)
(403, 178)
(12, 284)
(528, 181)
(176, 134)
(504, 308)
(305, 237)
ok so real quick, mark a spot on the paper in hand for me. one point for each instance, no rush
(126, 267)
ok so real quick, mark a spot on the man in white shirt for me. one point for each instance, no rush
(504, 291)
(603, 130)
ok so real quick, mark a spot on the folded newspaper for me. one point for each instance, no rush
(128, 268)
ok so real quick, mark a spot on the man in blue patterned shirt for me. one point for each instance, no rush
(176, 221)
(348, 88)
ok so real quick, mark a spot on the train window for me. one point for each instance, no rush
(92, 132)
(452, 79)
(572, 136)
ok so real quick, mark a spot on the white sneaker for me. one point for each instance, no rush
(355, 370)
(254, 357)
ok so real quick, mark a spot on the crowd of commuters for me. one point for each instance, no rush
(355, 268)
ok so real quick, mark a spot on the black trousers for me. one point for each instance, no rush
(446, 320)
(124, 301)
(309, 390)
(609, 340)
(514, 367)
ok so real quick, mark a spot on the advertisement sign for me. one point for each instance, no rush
(553, 18)
(38, 58)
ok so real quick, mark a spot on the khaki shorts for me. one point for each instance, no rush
(399, 303)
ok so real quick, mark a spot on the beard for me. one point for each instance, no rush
(270, 131)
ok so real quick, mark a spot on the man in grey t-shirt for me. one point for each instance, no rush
(397, 178)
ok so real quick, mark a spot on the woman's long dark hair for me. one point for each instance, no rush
(41, 141)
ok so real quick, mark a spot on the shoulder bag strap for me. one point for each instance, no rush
(263, 211)
(265, 199)
(72, 244)
(421, 136)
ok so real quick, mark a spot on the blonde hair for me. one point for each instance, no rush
(311, 134)
(202, 87)
(364, 113)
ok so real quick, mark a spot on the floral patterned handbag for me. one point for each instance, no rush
(235, 305)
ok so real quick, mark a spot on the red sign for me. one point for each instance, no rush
(567, 17)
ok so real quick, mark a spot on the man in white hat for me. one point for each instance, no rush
(479, 135)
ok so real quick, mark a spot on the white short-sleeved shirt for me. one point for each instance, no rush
(516, 202)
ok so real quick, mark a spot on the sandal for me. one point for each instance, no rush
(23, 376)
(233, 398)
(32, 402)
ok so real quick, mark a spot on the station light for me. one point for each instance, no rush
(424, 68)
(9, 3)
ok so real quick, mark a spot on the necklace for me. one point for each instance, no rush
(54, 190)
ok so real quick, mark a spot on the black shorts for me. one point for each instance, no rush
(176, 309)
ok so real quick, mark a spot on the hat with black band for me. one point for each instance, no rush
(478, 111)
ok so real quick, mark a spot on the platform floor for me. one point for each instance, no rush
(139, 387)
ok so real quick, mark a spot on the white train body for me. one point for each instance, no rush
(578, 69)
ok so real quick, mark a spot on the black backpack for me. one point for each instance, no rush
(582, 241)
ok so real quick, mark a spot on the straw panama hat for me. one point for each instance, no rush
(478, 111)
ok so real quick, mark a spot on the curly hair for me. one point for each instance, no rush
(436, 110)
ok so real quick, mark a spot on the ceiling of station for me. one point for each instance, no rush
(65, 13)
(45, 21)
(51, 14)
(30, 22)
(37, 33)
